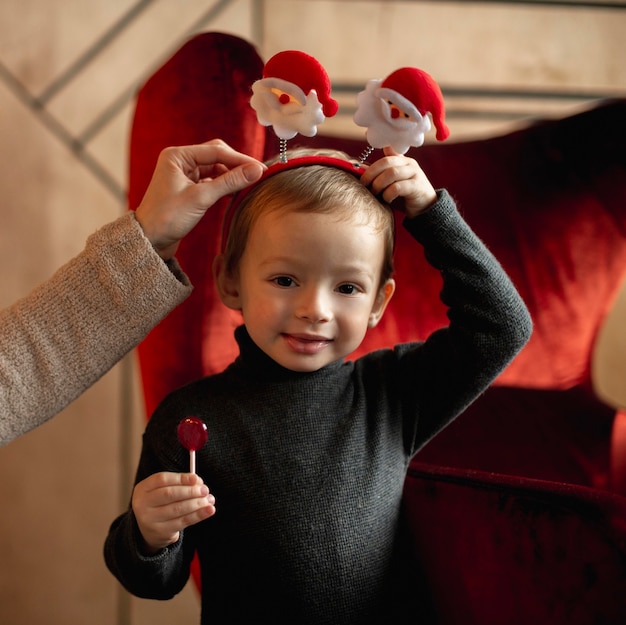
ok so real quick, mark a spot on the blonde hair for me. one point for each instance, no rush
(312, 188)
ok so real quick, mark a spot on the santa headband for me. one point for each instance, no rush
(277, 168)
(294, 96)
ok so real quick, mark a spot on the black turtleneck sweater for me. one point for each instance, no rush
(308, 468)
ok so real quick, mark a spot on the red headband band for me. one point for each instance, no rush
(293, 163)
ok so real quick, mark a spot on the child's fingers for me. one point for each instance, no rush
(392, 175)
(389, 151)
(401, 188)
(378, 168)
(165, 496)
(162, 526)
(185, 512)
(169, 478)
(195, 516)
(175, 513)
(173, 494)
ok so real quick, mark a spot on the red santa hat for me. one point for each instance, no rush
(306, 72)
(423, 92)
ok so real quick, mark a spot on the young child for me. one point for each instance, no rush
(307, 452)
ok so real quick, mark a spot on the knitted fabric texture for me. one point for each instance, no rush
(308, 468)
(63, 336)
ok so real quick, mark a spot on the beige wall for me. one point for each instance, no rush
(62, 484)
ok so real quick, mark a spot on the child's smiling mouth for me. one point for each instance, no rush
(306, 343)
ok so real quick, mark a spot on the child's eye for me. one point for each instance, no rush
(284, 281)
(348, 289)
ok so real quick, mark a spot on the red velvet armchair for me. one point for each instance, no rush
(511, 508)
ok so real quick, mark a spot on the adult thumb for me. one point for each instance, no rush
(228, 183)
(241, 177)
(253, 171)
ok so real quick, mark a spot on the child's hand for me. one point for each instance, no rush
(397, 176)
(166, 503)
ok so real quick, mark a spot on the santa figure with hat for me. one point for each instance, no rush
(294, 95)
(400, 109)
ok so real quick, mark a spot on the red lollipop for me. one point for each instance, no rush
(192, 434)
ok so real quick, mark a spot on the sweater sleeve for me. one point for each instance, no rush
(68, 332)
(489, 322)
(159, 576)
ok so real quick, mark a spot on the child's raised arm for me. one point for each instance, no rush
(397, 176)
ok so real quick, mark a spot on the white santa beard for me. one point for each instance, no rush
(287, 119)
(382, 129)
(400, 134)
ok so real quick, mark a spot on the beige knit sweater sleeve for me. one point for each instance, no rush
(58, 340)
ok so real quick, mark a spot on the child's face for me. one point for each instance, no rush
(308, 286)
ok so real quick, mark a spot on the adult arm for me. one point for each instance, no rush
(63, 336)
(71, 330)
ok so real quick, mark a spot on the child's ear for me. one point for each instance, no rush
(382, 299)
(227, 285)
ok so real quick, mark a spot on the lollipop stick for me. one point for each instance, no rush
(192, 461)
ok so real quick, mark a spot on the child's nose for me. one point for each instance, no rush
(314, 306)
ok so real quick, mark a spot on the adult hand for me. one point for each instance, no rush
(186, 182)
